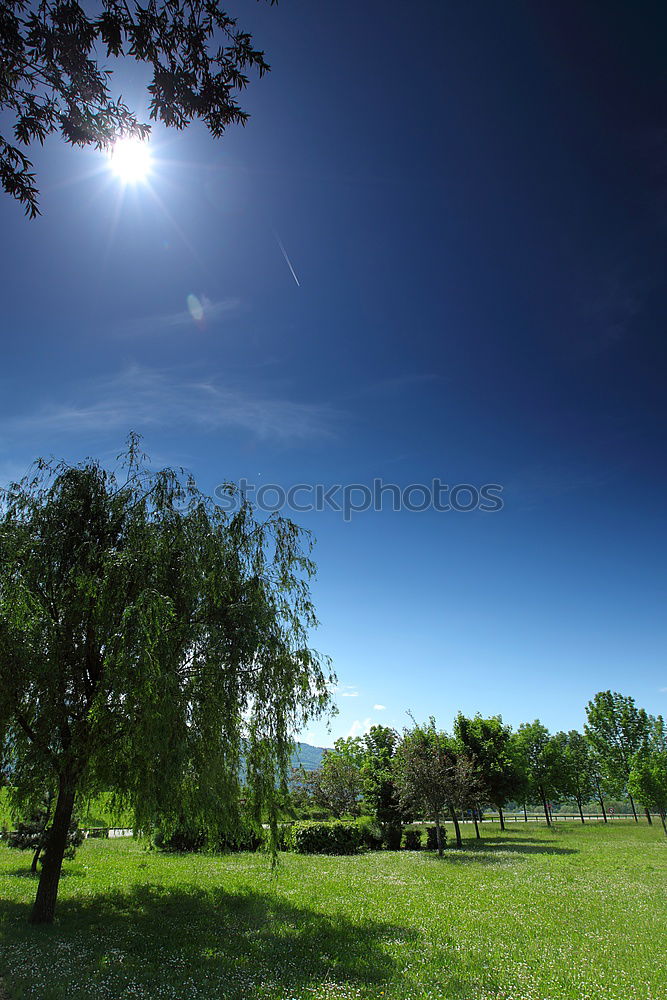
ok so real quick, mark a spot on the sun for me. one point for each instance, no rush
(130, 160)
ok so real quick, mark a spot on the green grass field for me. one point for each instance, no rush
(576, 913)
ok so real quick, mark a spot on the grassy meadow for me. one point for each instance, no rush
(573, 913)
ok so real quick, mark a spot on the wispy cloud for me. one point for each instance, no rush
(379, 708)
(347, 691)
(199, 312)
(141, 398)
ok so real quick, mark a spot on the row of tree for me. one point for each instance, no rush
(484, 763)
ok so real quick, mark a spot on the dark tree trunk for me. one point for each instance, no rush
(601, 801)
(438, 834)
(502, 818)
(662, 817)
(648, 816)
(546, 806)
(45, 824)
(474, 818)
(525, 813)
(634, 811)
(47, 891)
(581, 811)
(457, 828)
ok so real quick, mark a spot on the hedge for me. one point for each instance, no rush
(184, 839)
(333, 837)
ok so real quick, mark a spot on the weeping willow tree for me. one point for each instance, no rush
(152, 645)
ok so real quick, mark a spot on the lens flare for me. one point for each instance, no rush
(195, 308)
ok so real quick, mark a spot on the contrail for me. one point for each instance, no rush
(287, 260)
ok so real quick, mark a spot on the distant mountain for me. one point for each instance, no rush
(307, 756)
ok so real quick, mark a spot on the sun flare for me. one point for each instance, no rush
(130, 160)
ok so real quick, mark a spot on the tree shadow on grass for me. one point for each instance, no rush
(511, 837)
(495, 851)
(531, 845)
(27, 873)
(231, 945)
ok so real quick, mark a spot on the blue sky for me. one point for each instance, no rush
(473, 198)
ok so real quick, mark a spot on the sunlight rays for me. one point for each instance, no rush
(130, 160)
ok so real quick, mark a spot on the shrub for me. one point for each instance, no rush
(391, 837)
(246, 838)
(187, 839)
(412, 840)
(32, 835)
(180, 840)
(432, 837)
(285, 839)
(334, 837)
(371, 833)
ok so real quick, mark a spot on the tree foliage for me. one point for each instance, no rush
(55, 77)
(489, 743)
(616, 729)
(380, 790)
(533, 744)
(435, 777)
(647, 779)
(152, 645)
(423, 763)
(573, 768)
(336, 785)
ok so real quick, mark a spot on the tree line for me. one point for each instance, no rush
(428, 772)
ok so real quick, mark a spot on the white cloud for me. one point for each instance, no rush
(139, 398)
(347, 691)
(310, 737)
(359, 728)
(379, 708)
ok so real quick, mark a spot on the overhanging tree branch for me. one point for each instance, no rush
(52, 81)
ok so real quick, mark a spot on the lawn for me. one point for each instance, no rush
(532, 914)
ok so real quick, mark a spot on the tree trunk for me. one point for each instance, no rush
(457, 828)
(662, 817)
(502, 818)
(648, 816)
(545, 805)
(525, 813)
(438, 834)
(601, 801)
(45, 824)
(634, 811)
(474, 817)
(581, 811)
(47, 891)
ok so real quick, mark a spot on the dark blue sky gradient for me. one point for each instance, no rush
(474, 199)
